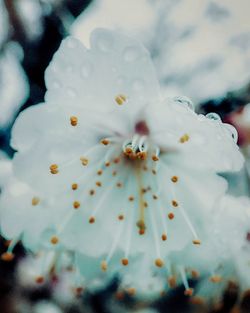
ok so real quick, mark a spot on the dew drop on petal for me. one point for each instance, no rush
(71, 43)
(232, 131)
(56, 85)
(184, 101)
(213, 116)
(86, 70)
(105, 42)
(130, 54)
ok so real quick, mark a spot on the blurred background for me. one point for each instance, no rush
(201, 49)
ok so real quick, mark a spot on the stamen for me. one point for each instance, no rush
(188, 291)
(91, 220)
(54, 240)
(164, 237)
(184, 138)
(7, 256)
(54, 169)
(120, 217)
(175, 203)
(98, 184)
(159, 262)
(196, 242)
(39, 280)
(76, 204)
(104, 266)
(74, 186)
(84, 161)
(73, 120)
(174, 179)
(172, 282)
(120, 99)
(124, 262)
(131, 291)
(35, 201)
(171, 215)
(215, 279)
(105, 142)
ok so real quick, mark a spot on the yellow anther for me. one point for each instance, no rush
(105, 142)
(76, 204)
(120, 99)
(196, 242)
(184, 138)
(74, 186)
(159, 262)
(98, 184)
(54, 240)
(164, 237)
(84, 161)
(172, 282)
(54, 169)
(91, 220)
(124, 262)
(35, 201)
(155, 158)
(215, 279)
(171, 215)
(189, 292)
(7, 256)
(120, 217)
(104, 266)
(175, 203)
(73, 120)
(39, 279)
(174, 179)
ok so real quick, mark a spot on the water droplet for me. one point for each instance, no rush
(184, 101)
(56, 85)
(105, 42)
(71, 43)
(86, 69)
(130, 54)
(213, 116)
(232, 131)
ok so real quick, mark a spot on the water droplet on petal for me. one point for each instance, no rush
(56, 85)
(105, 42)
(71, 43)
(232, 131)
(184, 101)
(213, 116)
(130, 54)
(86, 70)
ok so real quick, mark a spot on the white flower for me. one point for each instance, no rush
(174, 32)
(108, 169)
